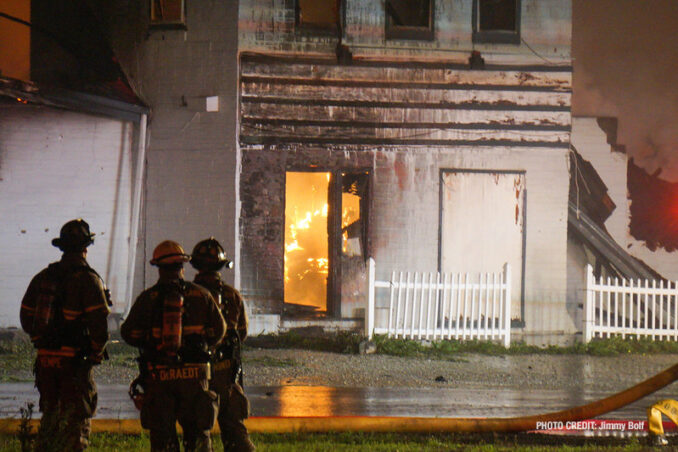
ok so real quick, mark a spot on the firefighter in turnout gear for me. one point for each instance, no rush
(208, 258)
(65, 311)
(174, 324)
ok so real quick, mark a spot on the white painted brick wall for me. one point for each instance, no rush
(405, 223)
(55, 166)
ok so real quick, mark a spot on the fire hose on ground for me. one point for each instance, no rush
(419, 424)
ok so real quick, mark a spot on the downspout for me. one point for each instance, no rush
(136, 210)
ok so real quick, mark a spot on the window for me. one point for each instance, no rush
(168, 14)
(496, 21)
(317, 14)
(409, 19)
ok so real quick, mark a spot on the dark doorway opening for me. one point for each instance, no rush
(325, 243)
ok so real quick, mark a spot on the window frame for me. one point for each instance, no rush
(411, 32)
(312, 29)
(179, 24)
(495, 36)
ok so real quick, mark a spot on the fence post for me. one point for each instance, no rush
(369, 312)
(588, 305)
(507, 311)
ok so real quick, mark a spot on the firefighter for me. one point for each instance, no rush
(65, 311)
(174, 324)
(208, 258)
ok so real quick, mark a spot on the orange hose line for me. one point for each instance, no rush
(408, 424)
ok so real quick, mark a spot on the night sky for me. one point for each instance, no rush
(626, 66)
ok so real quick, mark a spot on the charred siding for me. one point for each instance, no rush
(287, 100)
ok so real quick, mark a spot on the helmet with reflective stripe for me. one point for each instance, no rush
(74, 236)
(209, 255)
(168, 253)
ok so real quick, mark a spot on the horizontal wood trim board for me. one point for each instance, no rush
(247, 57)
(408, 125)
(403, 115)
(402, 134)
(357, 83)
(397, 94)
(251, 140)
(388, 104)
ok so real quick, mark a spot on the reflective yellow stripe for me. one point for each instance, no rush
(96, 307)
(71, 312)
(194, 329)
(27, 308)
(64, 351)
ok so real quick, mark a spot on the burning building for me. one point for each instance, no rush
(309, 136)
(430, 135)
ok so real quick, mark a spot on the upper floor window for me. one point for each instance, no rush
(320, 15)
(409, 19)
(168, 14)
(496, 21)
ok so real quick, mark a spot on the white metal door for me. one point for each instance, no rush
(482, 225)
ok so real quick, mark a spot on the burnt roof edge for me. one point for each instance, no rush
(72, 100)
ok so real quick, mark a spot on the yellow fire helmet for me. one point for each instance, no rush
(168, 253)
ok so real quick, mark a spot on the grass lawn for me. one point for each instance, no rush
(381, 442)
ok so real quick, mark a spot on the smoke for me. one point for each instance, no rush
(626, 66)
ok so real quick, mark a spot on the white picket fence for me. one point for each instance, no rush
(639, 308)
(434, 306)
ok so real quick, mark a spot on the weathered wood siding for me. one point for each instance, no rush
(545, 32)
(288, 100)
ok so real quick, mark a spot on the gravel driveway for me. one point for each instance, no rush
(301, 367)
(272, 367)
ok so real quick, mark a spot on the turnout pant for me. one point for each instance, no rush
(177, 394)
(233, 409)
(68, 399)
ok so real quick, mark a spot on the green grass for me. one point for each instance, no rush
(451, 348)
(343, 342)
(16, 356)
(379, 442)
